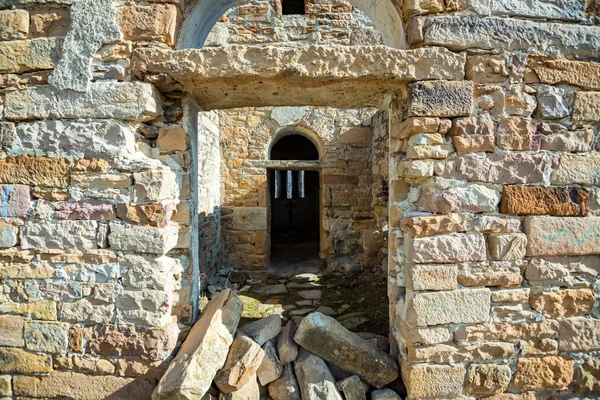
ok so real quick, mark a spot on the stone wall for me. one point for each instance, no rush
(344, 138)
(260, 23)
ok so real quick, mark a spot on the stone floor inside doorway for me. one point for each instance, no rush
(298, 285)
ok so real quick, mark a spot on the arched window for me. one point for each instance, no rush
(294, 147)
(293, 7)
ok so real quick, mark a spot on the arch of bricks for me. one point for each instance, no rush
(492, 113)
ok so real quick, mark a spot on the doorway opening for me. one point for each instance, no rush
(294, 206)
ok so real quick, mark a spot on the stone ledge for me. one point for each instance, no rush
(339, 76)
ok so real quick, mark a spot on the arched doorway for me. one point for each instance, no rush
(294, 200)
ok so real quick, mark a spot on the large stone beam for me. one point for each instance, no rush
(336, 76)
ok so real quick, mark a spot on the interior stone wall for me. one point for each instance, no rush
(344, 138)
(493, 199)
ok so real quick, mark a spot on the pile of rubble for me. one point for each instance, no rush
(319, 360)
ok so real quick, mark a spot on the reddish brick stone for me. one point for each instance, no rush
(539, 200)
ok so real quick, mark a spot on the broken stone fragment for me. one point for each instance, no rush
(270, 368)
(384, 394)
(264, 329)
(286, 347)
(352, 388)
(243, 360)
(327, 338)
(204, 352)
(250, 391)
(314, 378)
(286, 387)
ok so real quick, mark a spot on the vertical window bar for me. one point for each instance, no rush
(301, 184)
(277, 184)
(290, 183)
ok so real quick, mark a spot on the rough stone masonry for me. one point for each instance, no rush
(109, 213)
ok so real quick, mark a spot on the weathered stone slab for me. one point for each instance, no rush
(155, 186)
(470, 197)
(510, 247)
(326, 337)
(14, 201)
(361, 75)
(517, 133)
(85, 311)
(433, 381)
(286, 347)
(46, 337)
(35, 171)
(43, 310)
(448, 353)
(554, 71)
(204, 352)
(244, 358)
(554, 236)
(503, 274)
(498, 168)
(569, 272)
(535, 373)
(577, 169)
(441, 99)
(558, 138)
(314, 378)
(589, 376)
(429, 225)
(385, 394)
(14, 24)
(563, 302)
(96, 139)
(432, 277)
(143, 239)
(59, 235)
(540, 200)
(586, 106)
(148, 272)
(81, 386)
(579, 334)
(469, 306)
(352, 388)
(286, 387)
(464, 32)
(21, 361)
(270, 369)
(29, 55)
(11, 331)
(250, 218)
(264, 329)
(144, 307)
(547, 9)
(153, 22)
(545, 329)
(487, 379)
(96, 210)
(121, 100)
(455, 247)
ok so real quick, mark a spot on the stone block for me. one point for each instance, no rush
(416, 169)
(413, 126)
(432, 277)
(59, 235)
(464, 32)
(467, 144)
(101, 181)
(46, 337)
(96, 210)
(468, 306)
(250, 218)
(385, 394)
(86, 311)
(545, 329)
(558, 138)
(441, 99)
(148, 272)
(541, 9)
(76, 385)
(429, 225)
(20, 361)
(509, 247)
(286, 387)
(448, 353)
(155, 186)
(425, 336)
(586, 107)
(498, 168)
(579, 334)
(352, 387)
(510, 296)
(467, 197)
(20, 56)
(577, 169)
(153, 22)
(144, 307)
(14, 24)
(135, 101)
(553, 102)
(143, 239)
(314, 378)
(569, 272)
(264, 329)
(517, 133)
(204, 352)
(6, 386)
(555, 236)
(536, 373)
(487, 379)
(326, 337)
(244, 358)
(286, 347)
(563, 302)
(100, 366)
(487, 69)
(11, 331)
(554, 71)
(35, 171)
(451, 248)
(589, 376)
(48, 21)
(270, 369)
(494, 224)
(501, 274)
(171, 140)
(94, 139)
(435, 381)
(14, 201)
(539, 200)
(153, 214)
(42, 310)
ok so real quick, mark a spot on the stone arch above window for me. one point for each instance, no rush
(203, 16)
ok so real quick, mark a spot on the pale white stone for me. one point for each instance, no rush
(250, 218)
(553, 102)
(314, 378)
(144, 307)
(416, 168)
(285, 116)
(121, 100)
(47, 337)
(555, 236)
(143, 239)
(94, 138)
(571, 10)
(568, 271)
(509, 247)
(264, 329)
(456, 247)
(93, 23)
(84, 311)
(59, 235)
(155, 186)
(433, 277)
(149, 272)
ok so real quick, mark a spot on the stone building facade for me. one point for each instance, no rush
(493, 181)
